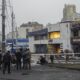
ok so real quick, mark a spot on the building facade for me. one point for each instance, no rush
(20, 35)
(64, 35)
(59, 37)
(75, 36)
(38, 41)
(56, 38)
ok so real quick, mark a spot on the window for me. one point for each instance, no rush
(76, 33)
(54, 35)
(42, 37)
(36, 37)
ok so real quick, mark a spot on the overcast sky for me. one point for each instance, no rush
(43, 11)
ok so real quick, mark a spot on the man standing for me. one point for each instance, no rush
(28, 55)
(51, 58)
(24, 59)
(18, 59)
(6, 62)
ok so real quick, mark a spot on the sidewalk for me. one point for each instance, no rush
(66, 66)
(33, 74)
(15, 74)
(43, 73)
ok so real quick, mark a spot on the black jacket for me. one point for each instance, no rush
(7, 58)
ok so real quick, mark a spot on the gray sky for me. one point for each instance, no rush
(43, 11)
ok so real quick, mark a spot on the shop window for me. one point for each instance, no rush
(54, 35)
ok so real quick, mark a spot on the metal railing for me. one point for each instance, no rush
(70, 58)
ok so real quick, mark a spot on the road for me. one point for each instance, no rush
(42, 73)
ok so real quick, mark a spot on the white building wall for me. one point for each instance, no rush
(41, 41)
(66, 35)
(22, 31)
(31, 44)
(36, 28)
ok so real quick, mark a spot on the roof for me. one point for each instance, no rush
(39, 32)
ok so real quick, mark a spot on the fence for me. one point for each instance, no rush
(70, 58)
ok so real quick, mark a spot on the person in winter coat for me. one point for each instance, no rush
(28, 59)
(6, 62)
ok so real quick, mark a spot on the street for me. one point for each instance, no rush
(39, 72)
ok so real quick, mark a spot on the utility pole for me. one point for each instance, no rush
(12, 15)
(3, 25)
(16, 36)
